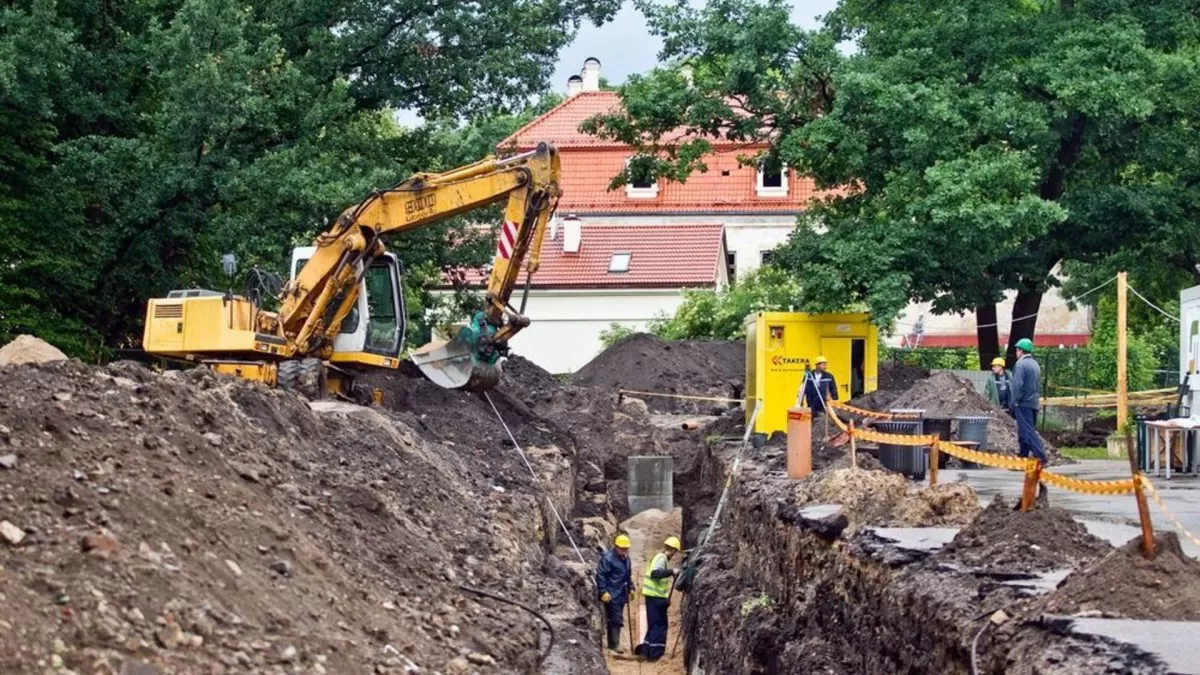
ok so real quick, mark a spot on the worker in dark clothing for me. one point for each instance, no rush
(1026, 395)
(819, 386)
(657, 592)
(999, 385)
(614, 583)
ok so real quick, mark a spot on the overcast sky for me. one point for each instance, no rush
(624, 46)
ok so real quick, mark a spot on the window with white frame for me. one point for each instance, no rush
(731, 266)
(772, 177)
(642, 183)
(619, 263)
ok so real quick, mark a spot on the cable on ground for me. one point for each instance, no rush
(527, 608)
(533, 473)
(733, 471)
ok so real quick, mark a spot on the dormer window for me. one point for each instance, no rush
(772, 178)
(642, 183)
(619, 263)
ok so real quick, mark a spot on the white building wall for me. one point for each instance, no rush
(565, 325)
(1054, 317)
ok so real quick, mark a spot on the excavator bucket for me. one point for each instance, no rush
(454, 365)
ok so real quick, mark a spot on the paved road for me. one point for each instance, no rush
(1110, 517)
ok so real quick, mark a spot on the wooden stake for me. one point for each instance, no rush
(933, 463)
(853, 448)
(1122, 350)
(1031, 483)
(1148, 548)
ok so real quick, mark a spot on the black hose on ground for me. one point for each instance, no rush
(527, 608)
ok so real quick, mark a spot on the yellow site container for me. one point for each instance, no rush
(780, 346)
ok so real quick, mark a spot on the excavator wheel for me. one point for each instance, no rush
(303, 376)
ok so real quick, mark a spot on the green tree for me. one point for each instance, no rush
(142, 140)
(721, 314)
(614, 334)
(975, 149)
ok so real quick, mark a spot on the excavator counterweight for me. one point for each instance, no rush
(342, 310)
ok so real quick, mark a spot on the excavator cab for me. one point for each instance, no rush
(375, 328)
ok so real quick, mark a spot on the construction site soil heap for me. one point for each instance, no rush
(945, 395)
(643, 362)
(188, 522)
(787, 588)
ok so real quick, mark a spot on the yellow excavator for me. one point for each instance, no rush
(342, 311)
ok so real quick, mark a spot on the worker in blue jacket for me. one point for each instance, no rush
(1025, 400)
(819, 386)
(614, 583)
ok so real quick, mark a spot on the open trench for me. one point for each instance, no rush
(782, 589)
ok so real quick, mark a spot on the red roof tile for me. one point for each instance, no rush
(661, 256)
(725, 187)
(560, 124)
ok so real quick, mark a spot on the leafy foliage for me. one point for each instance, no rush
(721, 314)
(614, 334)
(969, 151)
(141, 140)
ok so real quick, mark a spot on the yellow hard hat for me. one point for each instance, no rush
(998, 361)
(673, 542)
(622, 541)
(822, 359)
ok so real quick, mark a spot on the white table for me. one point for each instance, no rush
(1159, 434)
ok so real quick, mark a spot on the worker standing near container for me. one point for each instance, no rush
(999, 385)
(819, 386)
(1026, 400)
(614, 583)
(656, 589)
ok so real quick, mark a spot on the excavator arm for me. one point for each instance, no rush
(324, 292)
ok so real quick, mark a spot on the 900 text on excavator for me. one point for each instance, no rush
(342, 311)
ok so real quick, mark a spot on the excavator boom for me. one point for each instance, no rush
(321, 305)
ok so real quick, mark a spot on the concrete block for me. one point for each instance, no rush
(651, 483)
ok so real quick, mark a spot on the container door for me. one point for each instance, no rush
(839, 351)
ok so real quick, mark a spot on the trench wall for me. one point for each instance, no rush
(777, 593)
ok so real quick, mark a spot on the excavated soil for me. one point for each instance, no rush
(28, 349)
(883, 498)
(946, 395)
(1040, 539)
(189, 523)
(897, 376)
(643, 362)
(1125, 584)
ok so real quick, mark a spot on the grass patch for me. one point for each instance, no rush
(1085, 453)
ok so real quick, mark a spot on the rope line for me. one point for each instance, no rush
(634, 392)
(533, 473)
(1152, 305)
(733, 471)
(1166, 512)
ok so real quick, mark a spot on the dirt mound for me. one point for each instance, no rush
(28, 349)
(523, 377)
(1004, 540)
(200, 523)
(947, 395)
(690, 367)
(882, 498)
(1124, 584)
(898, 376)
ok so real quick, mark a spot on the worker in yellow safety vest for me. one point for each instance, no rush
(656, 590)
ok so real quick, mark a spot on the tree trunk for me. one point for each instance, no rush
(1025, 308)
(987, 334)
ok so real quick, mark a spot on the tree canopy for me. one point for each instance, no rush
(969, 149)
(140, 140)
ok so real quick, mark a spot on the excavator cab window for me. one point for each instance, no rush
(385, 304)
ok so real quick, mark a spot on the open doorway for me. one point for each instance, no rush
(858, 366)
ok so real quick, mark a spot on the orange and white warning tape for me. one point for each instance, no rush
(1088, 487)
(993, 459)
(1166, 512)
